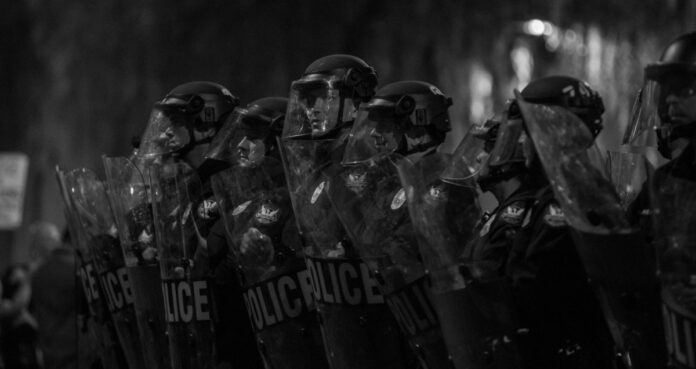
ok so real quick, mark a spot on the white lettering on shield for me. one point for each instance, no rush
(279, 299)
(343, 281)
(412, 308)
(89, 282)
(185, 301)
(117, 288)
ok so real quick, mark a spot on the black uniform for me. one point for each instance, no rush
(234, 339)
(496, 231)
(561, 322)
(663, 209)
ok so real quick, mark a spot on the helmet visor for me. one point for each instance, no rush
(511, 144)
(314, 108)
(644, 117)
(166, 132)
(651, 111)
(375, 133)
(471, 154)
(247, 147)
(219, 147)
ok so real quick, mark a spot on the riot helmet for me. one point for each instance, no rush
(189, 108)
(324, 100)
(250, 133)
(667, 102)
(513, 153)
(571, 93)
(404, 117)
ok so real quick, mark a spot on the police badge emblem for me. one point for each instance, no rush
(513, 214)
(554, 216)
(267, 214)
(356, 181)
(207, 209)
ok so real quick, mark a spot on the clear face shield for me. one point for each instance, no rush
(242, 142)
(167, 132)
(644, 117)
(471, 153)
(663, 106)
(376, 132)
(315, 107)
(512, 145)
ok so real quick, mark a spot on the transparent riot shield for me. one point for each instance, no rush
(255, 206)
(371, 204)
(477, 320)
(615, 256)
(673, 202)
(176, 193)
(628, 172)
(358, 328)
(131, 205)
(99, 321)
(88, 194)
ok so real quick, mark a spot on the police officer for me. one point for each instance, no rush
(181, 128)
(514, 190)
(561, 323)
(485, 336)
(666, 109)
(184, 122)
(264, 241)
(405, 120)
(321, 110)
(357, 326)
(669, 107)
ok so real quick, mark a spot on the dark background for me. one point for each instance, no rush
(78, 77)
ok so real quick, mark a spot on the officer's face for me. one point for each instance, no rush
(681, 103)
(386, 137)
(318, 103)
(174, 135)
(250, 151)
(317, 114)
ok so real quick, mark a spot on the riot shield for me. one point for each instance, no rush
(359, 330)
(673, 200)
(616, 257)
(255, 206)
(371, 204)
(99, 321)
(628, 172)
(478, 323)
(129, 197)
(176, 193)
(88, 195)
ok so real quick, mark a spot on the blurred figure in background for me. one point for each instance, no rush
(44, 237)
(54, 301)
(17, 326)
